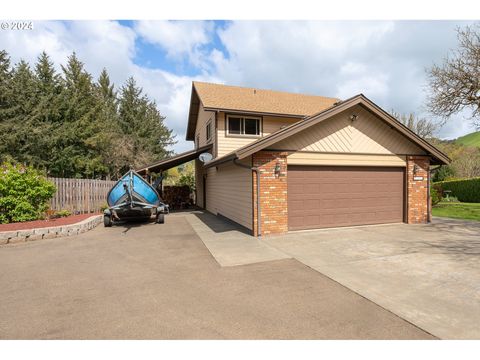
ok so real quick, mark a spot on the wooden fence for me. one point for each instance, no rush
(80, 195)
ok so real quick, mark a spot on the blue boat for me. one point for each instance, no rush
(133, 198)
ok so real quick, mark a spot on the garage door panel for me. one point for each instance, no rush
(296, 189)
(295, 205)
(325, 196)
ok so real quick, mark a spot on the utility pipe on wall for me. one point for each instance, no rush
(257, 173)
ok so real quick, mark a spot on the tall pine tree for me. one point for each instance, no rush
(76, 153)
(22, 134)
(74, 127)
(140, 119)
(5, 103)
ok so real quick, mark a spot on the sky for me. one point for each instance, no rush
(385, 60)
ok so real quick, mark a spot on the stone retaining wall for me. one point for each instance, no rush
(18, 236)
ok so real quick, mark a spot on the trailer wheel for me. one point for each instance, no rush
(160, 218)
(107, 221)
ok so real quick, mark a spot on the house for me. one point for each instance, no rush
(285, 161)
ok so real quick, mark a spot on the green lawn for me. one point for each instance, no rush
(457, 210)
(472, 139)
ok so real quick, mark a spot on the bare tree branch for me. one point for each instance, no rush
(455, 84)
(423, 127)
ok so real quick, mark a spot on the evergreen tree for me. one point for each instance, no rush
(75, 127)
(77, 152)
(140, 119)
(106, 88)
(20, 133)
(5, 76)
(47, 115)
(5, 101)
(111, 136)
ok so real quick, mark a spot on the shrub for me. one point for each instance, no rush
(445, 172)
(435, 196)
(438, 188)
(465, 190)
(187, 180)
(24, 193)
(61, 213)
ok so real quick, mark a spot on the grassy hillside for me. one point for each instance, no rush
(472, 139)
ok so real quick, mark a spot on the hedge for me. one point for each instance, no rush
(465, 190)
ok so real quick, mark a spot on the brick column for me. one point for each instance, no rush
(417, 190)
(273, 192)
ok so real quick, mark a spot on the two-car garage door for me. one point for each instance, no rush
(330, 196)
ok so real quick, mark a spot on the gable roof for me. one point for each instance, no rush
(249, 149)
(251, 100)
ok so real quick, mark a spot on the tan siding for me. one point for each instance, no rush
(199, 183)
(203, 118)
(228, 144)
(367, 134)
(229, 193)
(302, 158)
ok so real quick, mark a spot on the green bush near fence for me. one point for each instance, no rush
(24, 193)
(465, 190)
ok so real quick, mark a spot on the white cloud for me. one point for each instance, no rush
(301, 56)
(97, 43)
(355, 78)
(177, 38)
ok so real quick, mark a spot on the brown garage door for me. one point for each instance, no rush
(329, 196)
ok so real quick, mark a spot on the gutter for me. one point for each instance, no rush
(257, 173)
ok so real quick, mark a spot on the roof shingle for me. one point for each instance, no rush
(226, 97)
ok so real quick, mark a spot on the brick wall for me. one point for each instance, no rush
(273, 192)
(417, 190)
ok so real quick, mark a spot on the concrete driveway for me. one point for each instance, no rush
(426, 274)
(160, 282)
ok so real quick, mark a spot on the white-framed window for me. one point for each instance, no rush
(244, 125)
(209, 130)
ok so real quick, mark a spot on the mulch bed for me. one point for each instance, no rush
(72, 219)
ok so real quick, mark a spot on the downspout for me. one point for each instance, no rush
(429, 214)
(429, 204)
(257, 173)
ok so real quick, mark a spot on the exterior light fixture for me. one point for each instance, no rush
(415, 169)
(353, 117)
(277, 169)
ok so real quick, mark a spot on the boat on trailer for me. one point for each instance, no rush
(133, 198)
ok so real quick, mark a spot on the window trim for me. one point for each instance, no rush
(207, 132)
(242, 125)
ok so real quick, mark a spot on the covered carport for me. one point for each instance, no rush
(163, 165)
(170, 162)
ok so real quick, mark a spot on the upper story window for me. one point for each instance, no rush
(209, 131)
(243, 125)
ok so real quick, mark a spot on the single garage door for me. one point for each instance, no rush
(330, 196)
